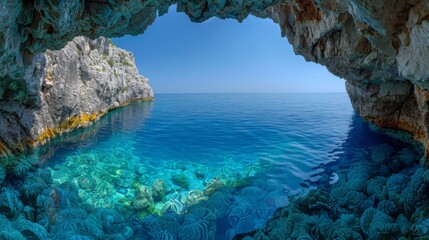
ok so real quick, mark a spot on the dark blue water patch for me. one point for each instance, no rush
(198, 166)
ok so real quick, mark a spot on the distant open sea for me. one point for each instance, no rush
(181, 151)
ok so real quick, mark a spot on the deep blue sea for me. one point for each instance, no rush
(202, 166)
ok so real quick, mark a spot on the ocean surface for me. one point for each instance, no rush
(198, 166)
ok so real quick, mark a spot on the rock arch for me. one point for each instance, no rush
(378, 47)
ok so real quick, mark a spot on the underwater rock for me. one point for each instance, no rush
(421, 228)
(180, 180)
(159, 188)
(367, 202)
(414, 192)
(34, 184)
(2, 174)
(86, 182)
(140, 170)
(200, 224)
(143, 200)
(195, 197)
(378, 225)
(10, 205)
(403, 224)
(157, 227)
(29, 229)
(376, 188)
(21, 166)
(7, 231)
(221, 201)
(30, 191)
(346, 227)
(357, 176)
(200, 173)
(114, 225)
(173, 205)
(54, 199)
(76, 223)
(214, 185)
(104, 178)
(405, 158)
(395, 184)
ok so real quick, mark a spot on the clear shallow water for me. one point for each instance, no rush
(223, 135)
(214, 164)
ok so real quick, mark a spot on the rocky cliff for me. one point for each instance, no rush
(67, 89)
(378, 47)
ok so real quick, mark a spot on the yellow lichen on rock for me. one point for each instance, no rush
(45, 135)
(79, 121)
(71, 123)
(4, 150)
(145, 99)
(83, 120)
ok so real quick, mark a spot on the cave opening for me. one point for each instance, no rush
(223, 56)
(221, 151)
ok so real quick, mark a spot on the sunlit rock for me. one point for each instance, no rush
(68, 89)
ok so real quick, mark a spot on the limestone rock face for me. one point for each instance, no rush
(398, 105)
(69, 88)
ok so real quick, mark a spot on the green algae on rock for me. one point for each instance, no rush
(180, 180)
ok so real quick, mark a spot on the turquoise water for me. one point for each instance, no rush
(196, 166)
(278, 137)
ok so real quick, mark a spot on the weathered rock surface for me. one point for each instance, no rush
(368, 43)
(67, 89)
(398, 105)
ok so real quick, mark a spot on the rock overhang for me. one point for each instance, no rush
(356, 40)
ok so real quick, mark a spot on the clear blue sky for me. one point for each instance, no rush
(223, 56)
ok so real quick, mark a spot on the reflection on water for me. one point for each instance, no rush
(213, 166)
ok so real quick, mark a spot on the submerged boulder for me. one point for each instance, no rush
(143, 200)
(159, 189)
(180, 180)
